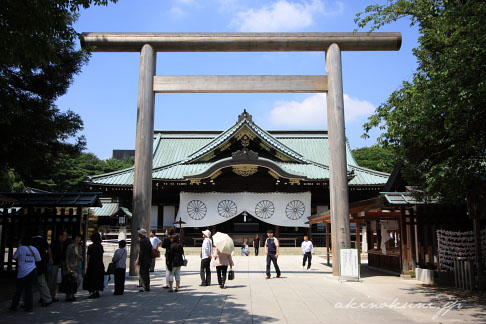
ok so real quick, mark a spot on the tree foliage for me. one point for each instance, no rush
(375, 158)
(71, 172)
(436, 122)
(38, 59)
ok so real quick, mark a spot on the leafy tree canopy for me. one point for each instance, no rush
(38, 59)
(435, 122)
(375, 158)
(71, 172)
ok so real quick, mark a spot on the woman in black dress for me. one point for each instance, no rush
(96, 270)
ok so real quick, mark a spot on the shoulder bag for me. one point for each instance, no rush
(155, 253)
(112, 265)
(184, 261)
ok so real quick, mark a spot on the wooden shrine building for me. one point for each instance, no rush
(401, 228)
(46, 213)
(243, 181)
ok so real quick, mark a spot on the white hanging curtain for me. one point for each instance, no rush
(277, 208)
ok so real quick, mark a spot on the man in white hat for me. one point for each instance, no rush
(206, 252)
(144, 259)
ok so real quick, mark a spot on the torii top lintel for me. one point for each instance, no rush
(240, 42)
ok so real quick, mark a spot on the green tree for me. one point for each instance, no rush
(38, 59)
(71, 172)
(436, 122)
(375, 158)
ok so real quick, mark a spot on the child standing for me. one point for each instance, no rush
(120, 258)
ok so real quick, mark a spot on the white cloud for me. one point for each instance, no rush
(281, 15)
(312, 111)
(177, 12)
(355, 108)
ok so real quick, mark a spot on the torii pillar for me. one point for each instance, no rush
(148, 44)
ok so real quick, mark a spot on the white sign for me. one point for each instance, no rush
(348, 264)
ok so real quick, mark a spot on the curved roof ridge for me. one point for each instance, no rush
(156, 144)
(217, 140)
(246, 119)
(363, 169)
(277, 142)
(109, 174)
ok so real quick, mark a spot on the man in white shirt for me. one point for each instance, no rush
(206, 252)
(156, 242)
(26, 256)
(307, 251)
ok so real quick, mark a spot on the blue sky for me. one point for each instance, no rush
(105, 92)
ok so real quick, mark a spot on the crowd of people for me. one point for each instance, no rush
(38, 261)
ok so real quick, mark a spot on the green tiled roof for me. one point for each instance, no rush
(265, 136)
(110, 209)
(107, 210)
(407, 198)
(54, 199)
(176, 155)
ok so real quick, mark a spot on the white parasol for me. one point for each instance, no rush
(223, 242)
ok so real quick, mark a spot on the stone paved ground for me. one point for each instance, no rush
(298, 297)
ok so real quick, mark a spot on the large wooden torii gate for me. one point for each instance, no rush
(148, 44)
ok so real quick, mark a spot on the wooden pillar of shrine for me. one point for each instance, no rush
(403, 239)
(142, 185)
(338, 181)
(328, 230)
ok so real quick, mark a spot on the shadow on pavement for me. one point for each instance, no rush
(156, 306)
(453, 298)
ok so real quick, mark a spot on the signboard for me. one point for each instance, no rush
(348, 264)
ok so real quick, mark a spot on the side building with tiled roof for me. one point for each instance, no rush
(243, 181)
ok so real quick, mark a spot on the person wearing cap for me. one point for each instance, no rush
(144, 259)
(272, 249)
(206, 251)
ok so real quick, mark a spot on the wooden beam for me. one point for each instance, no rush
(240, 42)
(358, 240)
(3, 238)
(413, 242)
(403, 240)
(240, 83)
(378, 235)
(420, 237)
(328, 229)
(372, 239)
(370, 214)
(368, 235)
